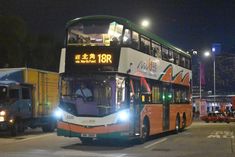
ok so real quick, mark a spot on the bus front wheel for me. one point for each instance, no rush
(145, 130)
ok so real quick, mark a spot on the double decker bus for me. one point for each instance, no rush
(119, 81)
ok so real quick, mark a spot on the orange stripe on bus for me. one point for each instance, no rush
(62, 125)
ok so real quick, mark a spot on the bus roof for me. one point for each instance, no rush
(132, 26)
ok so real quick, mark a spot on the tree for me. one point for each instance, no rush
(19, 48)
(12, 41)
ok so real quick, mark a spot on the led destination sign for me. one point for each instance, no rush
(93, 58)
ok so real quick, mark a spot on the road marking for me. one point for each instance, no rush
(157, 142)
(85, 154)
(221, 134)
(121, 155)
(32, 138)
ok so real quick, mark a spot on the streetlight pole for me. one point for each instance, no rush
(214, 75)
(208, 54)
(200, 81)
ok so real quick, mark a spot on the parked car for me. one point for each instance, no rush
(231, 116)
(218, 117)
(210, 117)
(222, 117)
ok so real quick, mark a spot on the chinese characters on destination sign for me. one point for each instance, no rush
(93, 58)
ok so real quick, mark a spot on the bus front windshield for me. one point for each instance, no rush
(95, 33)
(93, 96)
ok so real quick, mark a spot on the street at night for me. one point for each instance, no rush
(86, 78)
(200, 139)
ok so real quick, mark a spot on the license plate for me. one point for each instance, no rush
(88, 135)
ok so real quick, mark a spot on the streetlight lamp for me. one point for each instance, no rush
(145, 23)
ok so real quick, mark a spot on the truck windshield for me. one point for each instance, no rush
(95, 33)
(93, 96)
(3, 92)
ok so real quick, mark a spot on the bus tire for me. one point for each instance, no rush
(177, 124)
(145, 130)
(184, 121)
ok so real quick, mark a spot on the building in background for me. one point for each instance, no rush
(224, 79)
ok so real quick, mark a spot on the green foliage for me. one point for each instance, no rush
(12, 38)
(19, 48)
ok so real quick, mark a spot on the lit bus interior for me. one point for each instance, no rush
(99, 95)
(95, 33)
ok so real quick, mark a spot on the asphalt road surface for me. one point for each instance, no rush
(200, 139)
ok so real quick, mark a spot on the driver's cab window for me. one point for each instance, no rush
(83, 91)
(25, 93)
(14, 93)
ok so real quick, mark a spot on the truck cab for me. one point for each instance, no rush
(15, 105)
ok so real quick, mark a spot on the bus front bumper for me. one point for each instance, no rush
(115, 131)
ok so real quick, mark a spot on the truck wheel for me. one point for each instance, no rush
(21, 127)
(49, 127)
(14, 129)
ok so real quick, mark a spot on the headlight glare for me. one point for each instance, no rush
(58, 113)
(123, 115)
(2, 113)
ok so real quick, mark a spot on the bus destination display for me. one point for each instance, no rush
(93, 58)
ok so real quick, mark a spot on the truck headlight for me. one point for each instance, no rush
(2, 113)
(123, 116)
(2, 119)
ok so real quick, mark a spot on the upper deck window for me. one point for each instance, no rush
(165, 53)
(156, 50)
(95, 33)
(135, 40)
(127, 37)
(145, 44)
(176, 58)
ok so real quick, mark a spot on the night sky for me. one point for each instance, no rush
(187, 24)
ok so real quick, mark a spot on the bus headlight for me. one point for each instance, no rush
(123, 116)
(2, 113)
(58, 113)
